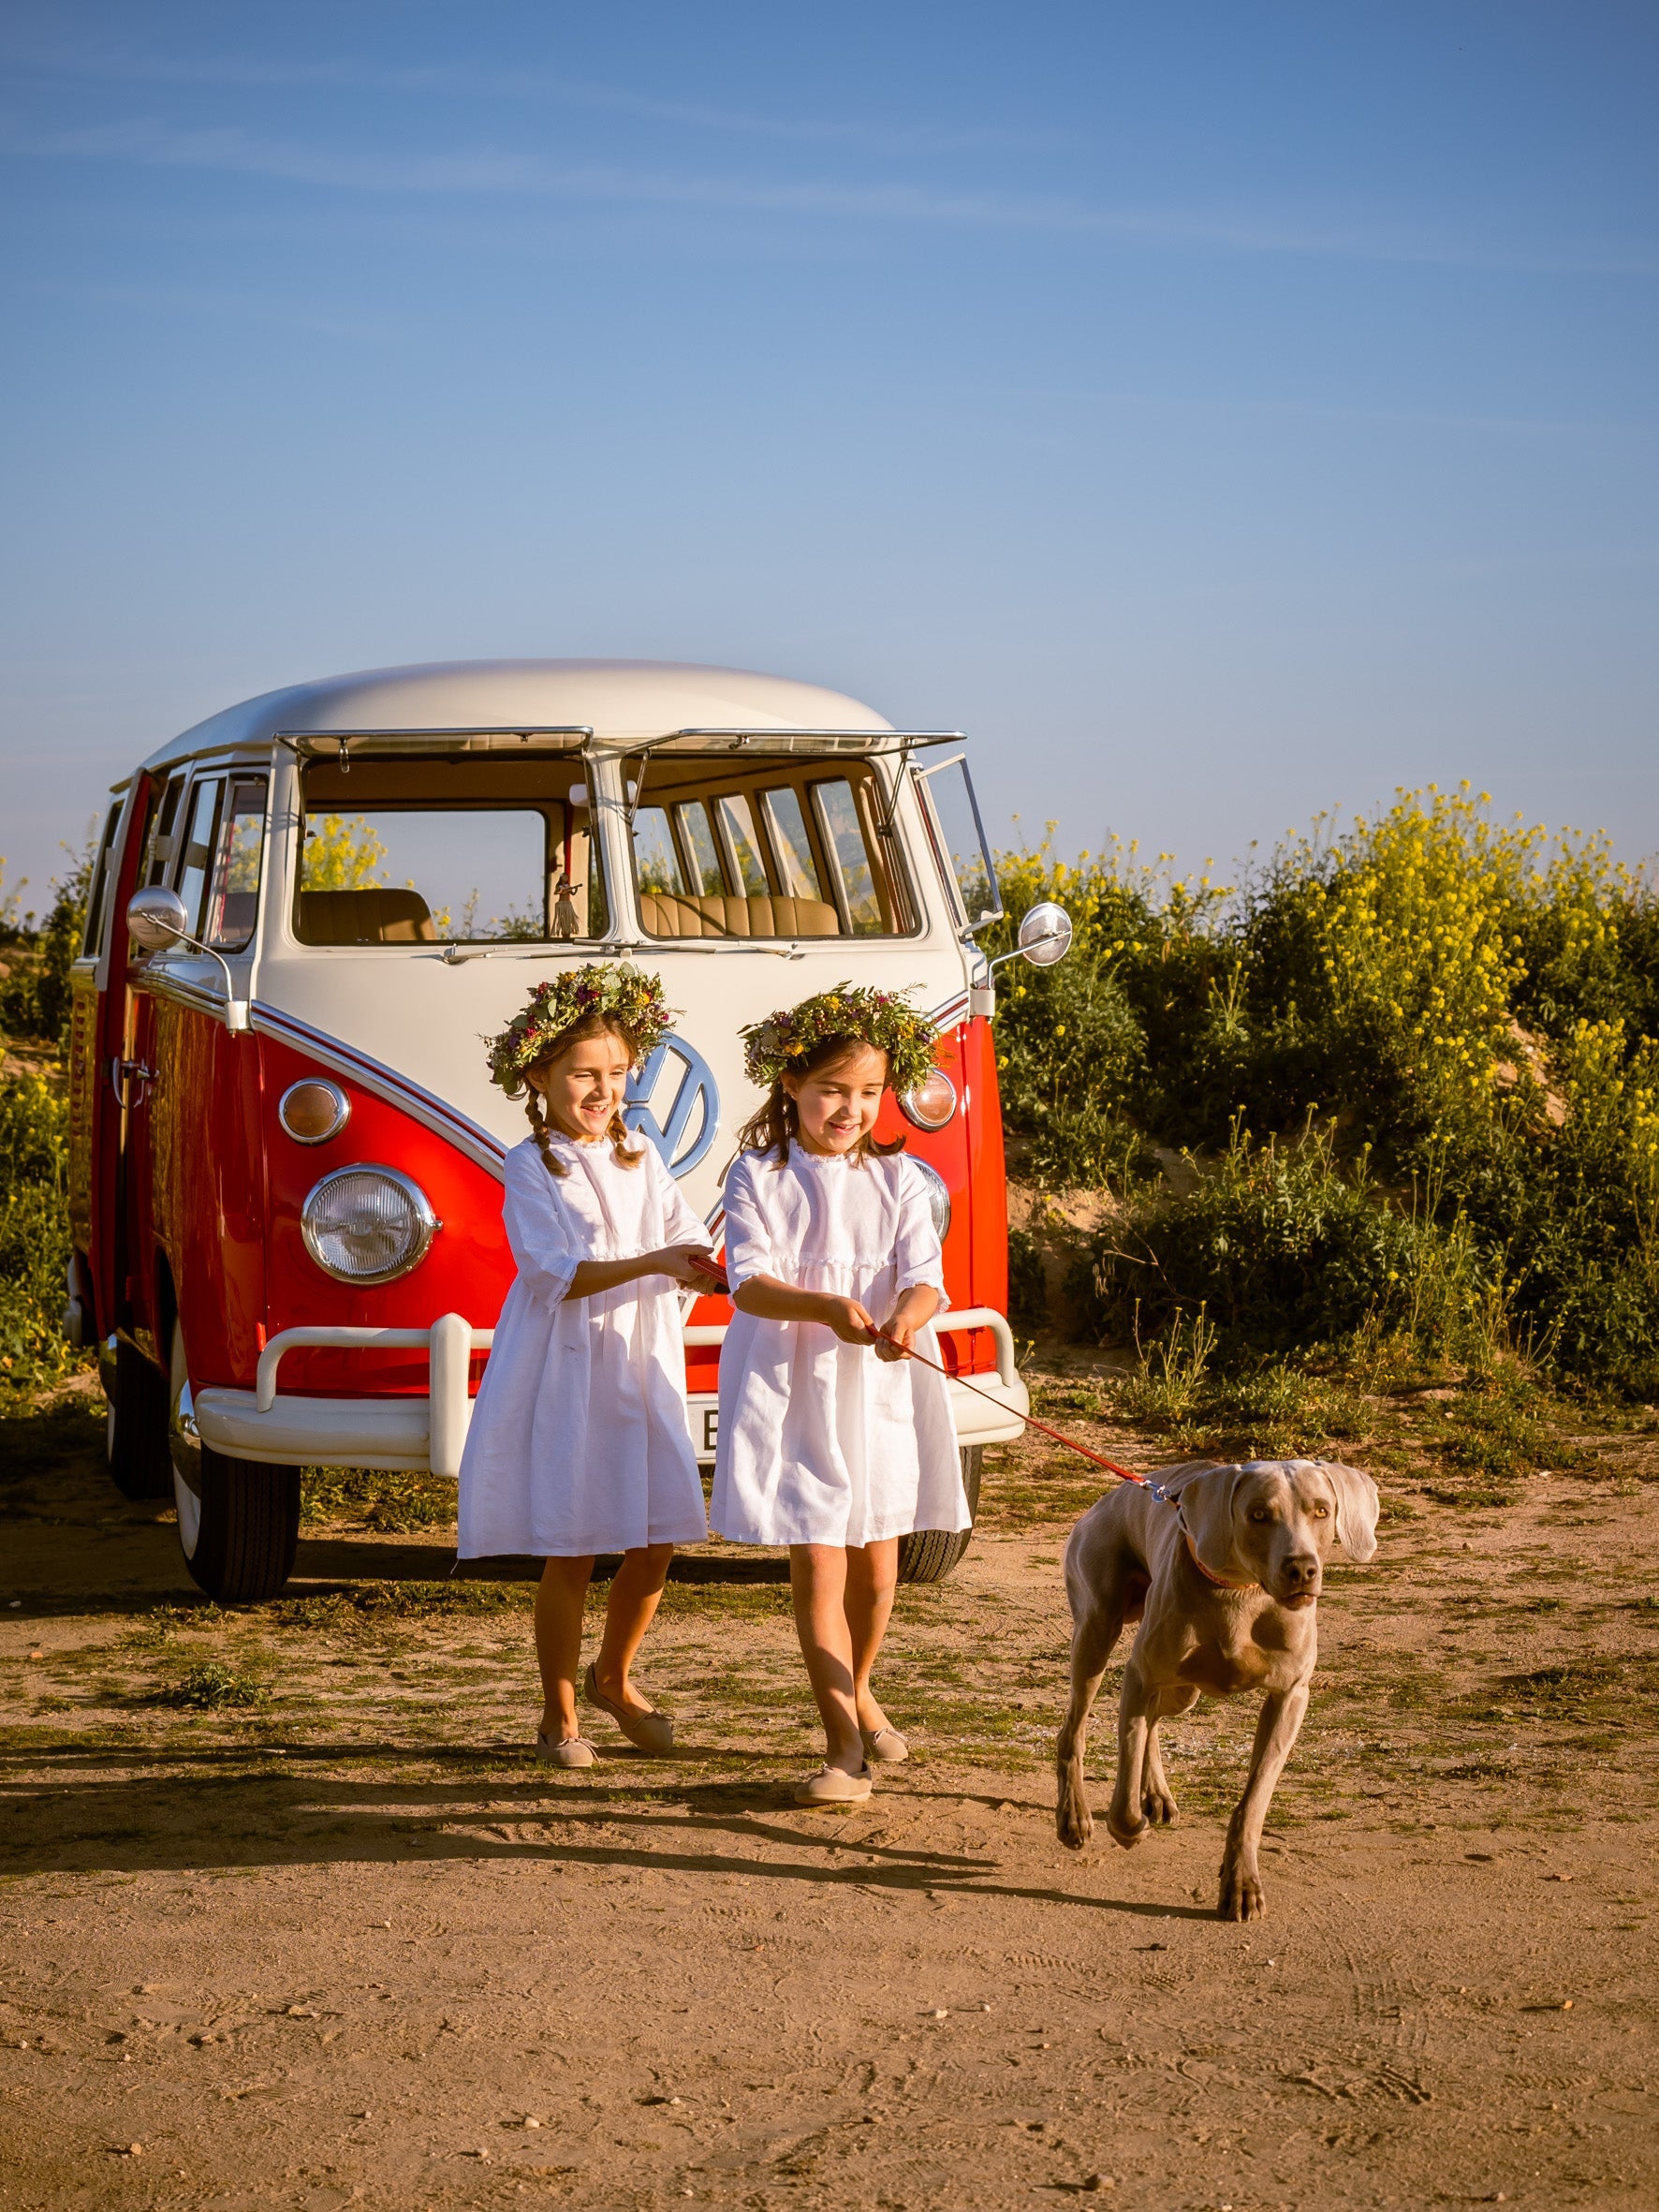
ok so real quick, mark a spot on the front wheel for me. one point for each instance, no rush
(239, 1519)
(929, 1555)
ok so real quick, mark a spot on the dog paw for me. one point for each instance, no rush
(1241, 1895)
(1074, 1823)
(1159, 1808)
(1125, 1831)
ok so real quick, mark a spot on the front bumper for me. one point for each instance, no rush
(426, 1435)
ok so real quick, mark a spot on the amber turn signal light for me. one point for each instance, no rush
(314, 1111)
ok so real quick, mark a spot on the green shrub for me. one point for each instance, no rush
(1278, 1247)
(1470, 1014)
(35, 984)
(33, 1232)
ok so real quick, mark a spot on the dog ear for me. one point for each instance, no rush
(1207, 1512)
(1357, 1508)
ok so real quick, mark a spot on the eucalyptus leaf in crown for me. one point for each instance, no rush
(779, 1045)
(632, 998)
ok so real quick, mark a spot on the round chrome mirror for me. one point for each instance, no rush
(1045, 933)
(155, 918)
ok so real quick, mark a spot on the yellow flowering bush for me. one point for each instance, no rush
(1471, 1005)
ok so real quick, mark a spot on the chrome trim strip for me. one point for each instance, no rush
(423, 1106)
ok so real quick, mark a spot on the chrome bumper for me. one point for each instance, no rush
(427, 1434)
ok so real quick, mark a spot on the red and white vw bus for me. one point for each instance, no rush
(307, 914)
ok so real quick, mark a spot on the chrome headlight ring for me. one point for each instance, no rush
(938, 1197)
(368, 1223)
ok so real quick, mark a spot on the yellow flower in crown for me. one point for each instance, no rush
(862, 1015)
(629, 997)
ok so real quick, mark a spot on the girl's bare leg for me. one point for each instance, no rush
(871, 1577)
(634, 1598)
(818, 1578)
(559, 1600)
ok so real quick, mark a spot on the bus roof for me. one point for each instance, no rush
(621, 701)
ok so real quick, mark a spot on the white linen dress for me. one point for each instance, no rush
(579, 1439)
(820, 1441)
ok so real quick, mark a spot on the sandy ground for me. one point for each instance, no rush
(347, 1944)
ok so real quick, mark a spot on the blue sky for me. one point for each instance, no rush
(1220, 411)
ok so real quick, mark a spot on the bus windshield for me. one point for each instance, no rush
(440, 849)
(787, 848)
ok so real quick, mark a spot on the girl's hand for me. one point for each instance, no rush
(901, 1331)
(914, 1310)
(849, 1319)
(680, 1262)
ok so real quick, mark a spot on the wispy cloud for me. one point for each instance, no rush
(513, 174)
(121, 64)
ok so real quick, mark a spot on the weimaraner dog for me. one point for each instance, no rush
(1222, 1566)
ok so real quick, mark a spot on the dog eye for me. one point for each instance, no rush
(1259, 1513)
(1320, 1513)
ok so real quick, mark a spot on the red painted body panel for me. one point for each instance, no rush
(207, 1198)
(217, 1187)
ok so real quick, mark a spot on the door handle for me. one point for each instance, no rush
(121, 1072)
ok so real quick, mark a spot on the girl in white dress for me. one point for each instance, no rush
(579, 1441)
(833, 1440)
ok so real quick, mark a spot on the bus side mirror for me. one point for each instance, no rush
(1045, 933)
(155, 918)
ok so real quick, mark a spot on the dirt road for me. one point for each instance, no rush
(344, 1944)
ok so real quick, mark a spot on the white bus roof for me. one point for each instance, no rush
(621, 701)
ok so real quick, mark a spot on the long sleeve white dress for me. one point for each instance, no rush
(820, 1441)
(579, 1439)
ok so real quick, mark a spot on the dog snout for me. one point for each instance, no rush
(1300, 1575)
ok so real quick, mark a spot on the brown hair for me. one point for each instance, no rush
(535, 1113)
(778, 1121)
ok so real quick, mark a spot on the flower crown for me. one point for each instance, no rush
(777, 1046)
(632, 998)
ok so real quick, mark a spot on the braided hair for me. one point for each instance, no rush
(596, 1024)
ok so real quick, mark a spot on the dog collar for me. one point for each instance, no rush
(1220, 1581)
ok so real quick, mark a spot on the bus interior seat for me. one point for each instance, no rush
(666, 915)
(363, 918)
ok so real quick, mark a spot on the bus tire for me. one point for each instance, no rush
(135, 1427)
(929, 1555)
(239, 1519)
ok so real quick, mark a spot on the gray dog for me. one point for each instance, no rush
(1222, 1566)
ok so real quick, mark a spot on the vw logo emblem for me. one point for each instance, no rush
(677, 1106)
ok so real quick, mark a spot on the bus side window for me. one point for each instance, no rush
(203, 818)
(849, 856)
(232, 906)
(742, 844)
(159, 850)
(93, 940)
(699, 835)
(656, 859)
(797, 871)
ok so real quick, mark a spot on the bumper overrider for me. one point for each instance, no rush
(427, 1434)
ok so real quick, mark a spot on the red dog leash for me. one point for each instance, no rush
(1030, 1420)
(712, 1269)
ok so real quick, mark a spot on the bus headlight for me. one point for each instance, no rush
(931, 1103)
(938, 1197)
(368, 1224)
